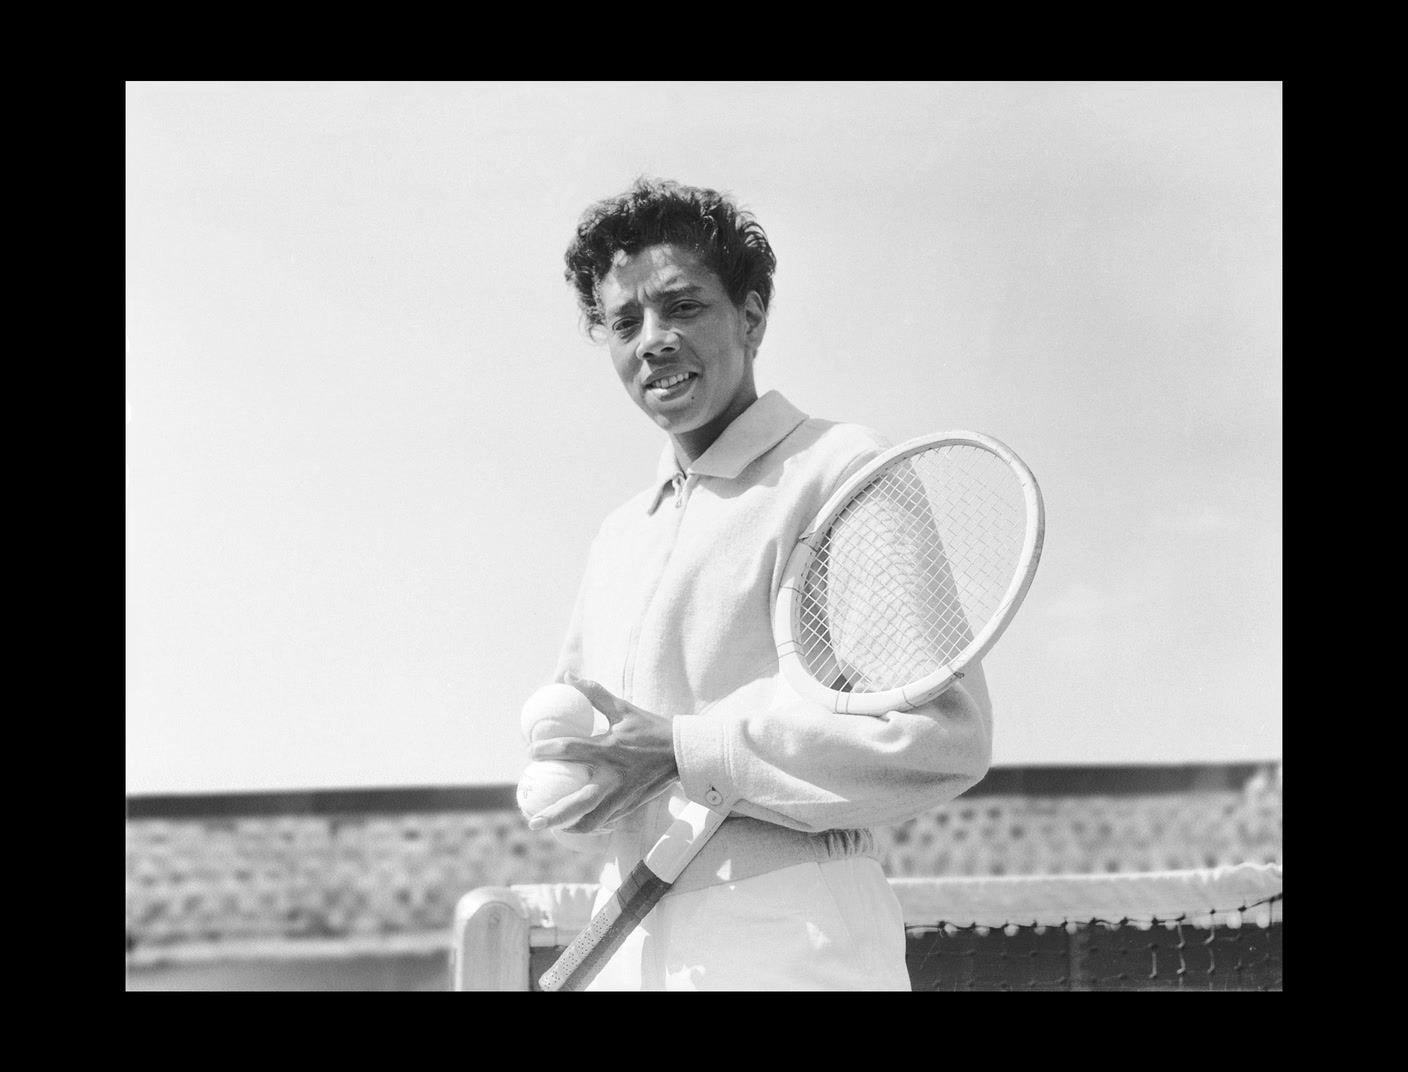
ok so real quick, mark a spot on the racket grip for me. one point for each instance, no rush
(587, 953)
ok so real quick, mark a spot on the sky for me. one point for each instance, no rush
(368, 443)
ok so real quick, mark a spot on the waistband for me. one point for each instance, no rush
(742, 848)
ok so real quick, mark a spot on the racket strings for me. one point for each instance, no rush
(911, 570)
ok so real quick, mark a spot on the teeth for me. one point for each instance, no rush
(670, 381)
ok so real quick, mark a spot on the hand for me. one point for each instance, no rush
(633, 762)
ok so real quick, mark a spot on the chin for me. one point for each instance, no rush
(686, 419)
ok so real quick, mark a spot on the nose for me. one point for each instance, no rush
(656, 336)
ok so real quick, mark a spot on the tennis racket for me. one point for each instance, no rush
(909, 574)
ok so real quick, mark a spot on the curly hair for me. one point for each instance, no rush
(728, 240)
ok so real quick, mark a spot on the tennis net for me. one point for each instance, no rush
(1215, 929)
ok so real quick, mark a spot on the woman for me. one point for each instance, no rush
(671, 638)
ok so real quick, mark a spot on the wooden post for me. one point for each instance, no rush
(490, 950)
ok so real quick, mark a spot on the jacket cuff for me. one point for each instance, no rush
(701, 754)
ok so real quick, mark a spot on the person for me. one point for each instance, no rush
(671, 637)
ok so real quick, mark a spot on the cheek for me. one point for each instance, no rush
(625, 365)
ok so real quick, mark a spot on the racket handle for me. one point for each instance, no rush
(647, 882)
(587, 953)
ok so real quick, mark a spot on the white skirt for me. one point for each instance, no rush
(830, 926)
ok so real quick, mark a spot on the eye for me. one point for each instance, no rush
(624, 328)
(686, 308)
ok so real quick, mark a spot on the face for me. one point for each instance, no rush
(682, 349)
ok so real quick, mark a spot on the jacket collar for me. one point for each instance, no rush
(754, 432)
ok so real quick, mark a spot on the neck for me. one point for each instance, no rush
(690, 445)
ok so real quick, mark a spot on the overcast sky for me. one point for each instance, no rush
(368, 444)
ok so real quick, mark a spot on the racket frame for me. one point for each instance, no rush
(916, 693)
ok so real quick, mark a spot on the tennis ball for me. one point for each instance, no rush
(556, 711)
(546, 781)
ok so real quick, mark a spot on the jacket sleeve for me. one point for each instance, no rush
(775, 756)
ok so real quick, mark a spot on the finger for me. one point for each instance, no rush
(569, 749)
(591, 823)
(570, 808)
(602, 698)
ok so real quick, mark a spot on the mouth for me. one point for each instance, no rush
(670, 384)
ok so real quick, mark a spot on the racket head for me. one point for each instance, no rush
(909, 573)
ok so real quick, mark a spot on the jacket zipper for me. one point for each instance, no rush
(680, 482)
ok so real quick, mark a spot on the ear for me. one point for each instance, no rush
(755, 320)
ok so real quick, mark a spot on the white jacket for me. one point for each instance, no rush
(675, 616)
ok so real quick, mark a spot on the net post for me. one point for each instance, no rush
(489, 950)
